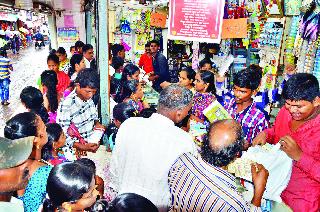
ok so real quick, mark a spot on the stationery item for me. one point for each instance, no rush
(96, 135)
(215, 111)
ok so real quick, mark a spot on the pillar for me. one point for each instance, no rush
(53, 31)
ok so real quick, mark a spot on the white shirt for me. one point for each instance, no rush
(144, 152)
(87, 62)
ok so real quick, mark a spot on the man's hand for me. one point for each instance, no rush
(153, 77)
(261, 139)
(165, 84)
(290, 147)
(92, 147)
(259, 179)
(98, 125)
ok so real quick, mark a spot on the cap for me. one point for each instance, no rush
(14, 152)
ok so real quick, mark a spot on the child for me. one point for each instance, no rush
(121, 112)
(132, 93)
(51, 151)
(6, 67)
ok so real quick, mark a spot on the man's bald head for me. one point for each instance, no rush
(224, 142)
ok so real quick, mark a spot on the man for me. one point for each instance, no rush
(72, 50)
(160, 66)
(78, 45)
(88, 55)
(297, 128)
(78, 111)
(145, 61)
(202, 183)
(118, 51)
(14, 171)
(146, 148)
(5, 68)
(242, 108)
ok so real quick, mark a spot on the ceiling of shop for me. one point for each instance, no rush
(73, 5)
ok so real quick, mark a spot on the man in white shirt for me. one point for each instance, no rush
(88, 56)
(146, 148)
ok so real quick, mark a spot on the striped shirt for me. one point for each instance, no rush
(253, 120)
(197, 186)
(82, 113)
(5, 66)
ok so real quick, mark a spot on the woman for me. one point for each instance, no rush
(63, 59)
(204, 96)
(132, 93)
(76, 65)
(186, 79)
(71, 187)
(32, 99)
(51, 97)
(25, 125)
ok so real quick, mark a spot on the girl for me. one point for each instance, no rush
(25, 125)
(121, 112)
(186, 79)
(77, 64)
(130, 72)
(204, 96)
(132, 93)
(51, 97)
(32, 99)
(63, 59)
(63, 78)
(71, 187)
(51, 151)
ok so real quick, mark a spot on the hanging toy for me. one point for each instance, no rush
(309, 28)
(125, 45)
(125, 26)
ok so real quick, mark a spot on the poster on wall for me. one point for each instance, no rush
(234, 28)
(68, 34)
(196, 20)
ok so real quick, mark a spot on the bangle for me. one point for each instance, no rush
(143, 98)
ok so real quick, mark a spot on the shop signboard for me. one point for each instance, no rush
(196, 20)
(234, 28)
(68, 34)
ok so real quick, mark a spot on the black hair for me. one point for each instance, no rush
(147, 112)
(87, 163)
(117, 62)
(129, 70)
(155, 42)
(130, 202)
(54, 132)
(191, 74)
(248, 78)
(71, 47)
(3, 52)
(208, 77)
(54, 58)
(21, 125)
(123, 111)
(301, 86)
(49, 79)
(67, 182)
(88, 78)
(86, 47)
(100, 205)
(129, 88)
(147, 44)
(52, 51)
(203, 62)
(223, 156)
(61, 50)
(78, 44)
(75, 59)
(32, 98)
(116, 48)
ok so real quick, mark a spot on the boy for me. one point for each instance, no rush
(297, 128)
(5, 68)
(242, 108)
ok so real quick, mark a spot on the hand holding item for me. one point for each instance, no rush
(261, 139)
(259, 178)
(290, 147)
(91, 147)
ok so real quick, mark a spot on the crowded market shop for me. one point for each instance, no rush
(275, 35)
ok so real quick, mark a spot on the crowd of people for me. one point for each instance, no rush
(49, 152)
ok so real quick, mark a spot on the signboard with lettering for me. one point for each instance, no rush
(68, 35)
(234, 28)
(158, 20)
(196, 20)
